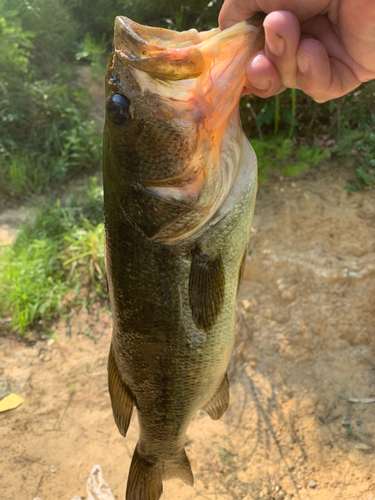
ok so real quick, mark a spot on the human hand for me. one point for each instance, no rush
(326, 48)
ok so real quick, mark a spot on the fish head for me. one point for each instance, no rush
(172, 117)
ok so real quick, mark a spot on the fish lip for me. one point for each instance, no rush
(156, 38)
(141, 41)
(163, 54)
(172, 55)
(147, 38)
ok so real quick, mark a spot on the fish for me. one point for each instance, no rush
(180, 181)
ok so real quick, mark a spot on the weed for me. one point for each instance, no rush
(353, 430)
(85, 253)
(32, 284)
(34, 280)
(283, 153)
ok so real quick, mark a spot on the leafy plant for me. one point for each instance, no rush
(357, 148)
(61, 251)
(286, 156)
(45, 134)
(85, 253)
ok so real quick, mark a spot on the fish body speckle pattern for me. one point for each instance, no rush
(179, 193)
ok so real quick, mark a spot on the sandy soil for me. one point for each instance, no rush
(305, 344)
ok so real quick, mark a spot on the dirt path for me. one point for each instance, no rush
(305, 343)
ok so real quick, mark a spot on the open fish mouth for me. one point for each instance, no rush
(193, 81)
(214, 60)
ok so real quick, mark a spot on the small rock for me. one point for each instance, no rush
(215, 468)
(246, 304)
(363, 447)
(312, 484)
(289, 293)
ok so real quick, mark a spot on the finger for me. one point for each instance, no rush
(359, 33)
(234, 11)
(321, 77)
(282, 31)
(263, 79)
(320, 28)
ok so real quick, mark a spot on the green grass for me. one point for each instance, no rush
(283, 154)
(357, 148)
(60, 252)
(33, 284)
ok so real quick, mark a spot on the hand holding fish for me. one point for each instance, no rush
(325, 48)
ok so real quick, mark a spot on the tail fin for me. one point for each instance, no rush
(145, 481)
(179, 468)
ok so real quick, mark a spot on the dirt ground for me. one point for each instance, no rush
(305, 346)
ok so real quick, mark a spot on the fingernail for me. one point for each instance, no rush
(275, 42)
(303, 63)
(259, 83)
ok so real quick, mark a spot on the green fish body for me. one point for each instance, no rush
(179, 192)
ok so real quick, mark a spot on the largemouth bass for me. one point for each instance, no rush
(179, 192)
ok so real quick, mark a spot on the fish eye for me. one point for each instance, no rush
(118, 109)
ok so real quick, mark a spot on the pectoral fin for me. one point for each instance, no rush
(206, 289)
(122, 401)
(219, 403)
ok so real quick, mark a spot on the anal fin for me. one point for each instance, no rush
(217, 406)
(122, 401)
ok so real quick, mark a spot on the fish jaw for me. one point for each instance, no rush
(209, 66)
(213, 59)
(196, 80)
